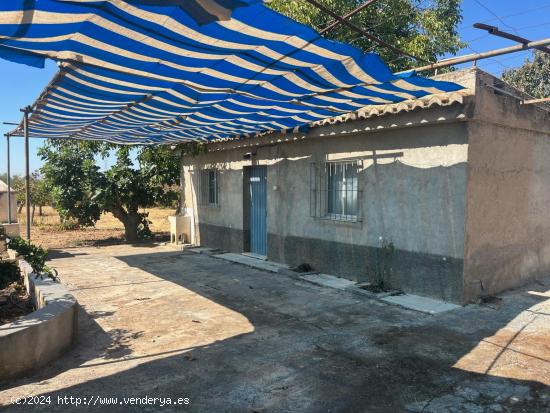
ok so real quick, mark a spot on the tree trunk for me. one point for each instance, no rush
(131, 227)
(40, 212)
(129, 220)
(20, 208)
(33, 210)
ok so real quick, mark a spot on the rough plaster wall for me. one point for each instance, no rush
(229, 213)
(230, 165)
(413, 194)
(4, 207)
(421, 209)
(508, 214)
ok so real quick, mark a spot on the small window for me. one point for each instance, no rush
(209, 188)
(334, 191)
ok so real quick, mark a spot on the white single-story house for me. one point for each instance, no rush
(450, 193)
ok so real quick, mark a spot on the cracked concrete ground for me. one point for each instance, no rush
(162, 323)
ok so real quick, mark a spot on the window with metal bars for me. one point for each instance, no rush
(209, 188)
(335, 191)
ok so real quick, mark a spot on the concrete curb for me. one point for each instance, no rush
(408, 301)
(42, 335)
(251, 262)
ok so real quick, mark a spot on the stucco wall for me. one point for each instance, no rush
(508, 207)
(4, 207)
(413, 183)
(221, 226)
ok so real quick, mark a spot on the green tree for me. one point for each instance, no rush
(18, 185)
(39, 190)
(82, 191)
(41, 194)
(533, 77)
(424, 28)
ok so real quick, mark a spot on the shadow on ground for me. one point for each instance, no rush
(311, 349)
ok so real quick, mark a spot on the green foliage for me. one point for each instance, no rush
(72, 173)
(9, 273)
(40, 191)
(36, 257)
(68, 225)
(18, 185)
(424, 28)
(82, 191)
(143, 230)
(41, 194)
(533, 77)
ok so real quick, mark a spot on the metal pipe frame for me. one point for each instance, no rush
(478, 56)
(361, 31)
(352, 13)
(443, 63)
(496, 32)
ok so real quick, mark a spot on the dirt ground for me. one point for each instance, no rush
(46, 229)
(155, 322)
(15, 302)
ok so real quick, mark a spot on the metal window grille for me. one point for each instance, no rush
(209, 187)
(334, 191)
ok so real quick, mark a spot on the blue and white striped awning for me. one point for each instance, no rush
(146, 71)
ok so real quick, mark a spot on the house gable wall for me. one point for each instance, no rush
(507, 239)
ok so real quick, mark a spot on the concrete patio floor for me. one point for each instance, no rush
(162, 323)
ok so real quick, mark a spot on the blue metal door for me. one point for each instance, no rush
(258, 210)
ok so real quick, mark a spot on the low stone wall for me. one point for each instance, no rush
(12, 230)
(43, 335)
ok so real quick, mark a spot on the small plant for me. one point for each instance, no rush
(143, 230)
(35, 256)
(382, 269)
(68, 225)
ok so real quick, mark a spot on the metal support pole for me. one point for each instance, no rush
(478, 56)
(9, 176)
(26, 112)
(496, 32)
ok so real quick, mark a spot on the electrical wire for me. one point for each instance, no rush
(506, 16)
(496, 16)
(486, 35)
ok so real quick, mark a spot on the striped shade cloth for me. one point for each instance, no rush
(167, 71)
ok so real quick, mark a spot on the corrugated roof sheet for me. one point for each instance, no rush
(442, 99)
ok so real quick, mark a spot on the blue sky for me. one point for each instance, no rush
(20, 85)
